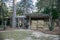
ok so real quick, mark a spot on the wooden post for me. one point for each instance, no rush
(18, 22)
(29, 22)
(23, 23)
(37, 25)
(5, 23)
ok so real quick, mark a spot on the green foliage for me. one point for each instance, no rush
(4, 10)
(46, 10)
(25, 6)
(41, 4)
(48, 7)
(19, 11)
(55, 14)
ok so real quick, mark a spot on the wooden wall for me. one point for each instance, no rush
(39, 24)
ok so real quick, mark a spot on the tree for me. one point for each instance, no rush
(4, 11)
(41, 4)
(26, 6)
(54, 14)
(58, 6)
(19, 11)
(48, 9)
(14, 14)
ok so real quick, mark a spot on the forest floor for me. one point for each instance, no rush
(26, 34)
(55, 31)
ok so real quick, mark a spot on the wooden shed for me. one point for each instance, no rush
(37, 20)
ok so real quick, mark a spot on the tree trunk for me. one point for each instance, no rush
(14, 15)
(50, 22)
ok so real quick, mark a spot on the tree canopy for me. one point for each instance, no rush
(4, 10)
(25, 6)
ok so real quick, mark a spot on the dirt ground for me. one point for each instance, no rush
(56, 31)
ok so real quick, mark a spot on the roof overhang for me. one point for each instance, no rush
(37, 15)
(23, 16)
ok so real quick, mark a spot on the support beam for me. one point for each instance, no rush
(23, 23)
(29, 22)
(18, 22)
(37, 25)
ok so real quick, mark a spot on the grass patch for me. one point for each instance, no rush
(16, 35)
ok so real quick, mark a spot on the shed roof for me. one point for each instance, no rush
(37, 15)
(23, 16)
